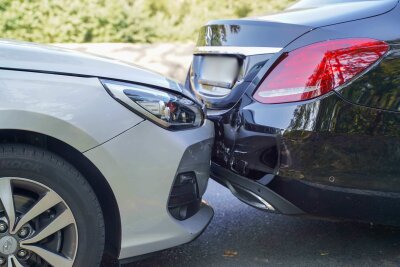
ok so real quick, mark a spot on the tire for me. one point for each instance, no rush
(27, 168)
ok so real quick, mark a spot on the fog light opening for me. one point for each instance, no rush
(184, 200)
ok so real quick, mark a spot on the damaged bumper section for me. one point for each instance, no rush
(305, 158)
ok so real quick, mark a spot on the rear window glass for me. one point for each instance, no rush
(316, 3)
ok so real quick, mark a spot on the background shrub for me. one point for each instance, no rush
(132, 21)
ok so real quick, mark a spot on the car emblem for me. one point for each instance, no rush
(8, 245)
(209, 36)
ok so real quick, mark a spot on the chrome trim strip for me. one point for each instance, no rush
(262, 201)
(259, 201)
(236, 50)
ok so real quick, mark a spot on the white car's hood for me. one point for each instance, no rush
(42, 58)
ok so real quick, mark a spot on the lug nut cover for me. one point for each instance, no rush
(22, 253)
(3, 227)
(24, 232)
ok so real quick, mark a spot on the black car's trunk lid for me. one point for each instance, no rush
(249, 33)
(319, 13)
(253, 41)
(277, 30)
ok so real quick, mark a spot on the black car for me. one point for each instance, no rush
(306, 105)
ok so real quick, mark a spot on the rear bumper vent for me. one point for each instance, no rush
(184, 200)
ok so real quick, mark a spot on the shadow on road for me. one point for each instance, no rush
(242, 236)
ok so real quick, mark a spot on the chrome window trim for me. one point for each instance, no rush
(236, 50)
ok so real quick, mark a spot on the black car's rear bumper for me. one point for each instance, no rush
(325, 157)
(294, 197)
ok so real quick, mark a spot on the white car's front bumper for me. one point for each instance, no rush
(141, 165)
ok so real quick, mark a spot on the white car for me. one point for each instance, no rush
(98, 159)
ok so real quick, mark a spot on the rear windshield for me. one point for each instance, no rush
(317, 3)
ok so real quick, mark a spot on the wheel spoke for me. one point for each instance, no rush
(16, 262)
(63, 220)
(6, 197)
(50, 257)
(46, 202)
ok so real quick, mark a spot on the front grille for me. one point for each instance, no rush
(184, 200)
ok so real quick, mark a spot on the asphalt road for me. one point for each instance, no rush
(243, 236)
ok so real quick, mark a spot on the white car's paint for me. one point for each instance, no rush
(142, 171)
(28, 56)
(138, 158)
(75, 110)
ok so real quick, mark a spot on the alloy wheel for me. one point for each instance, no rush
(37, 228)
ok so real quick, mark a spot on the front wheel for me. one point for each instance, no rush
(49, 215)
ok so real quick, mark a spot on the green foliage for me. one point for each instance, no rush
(133, 21)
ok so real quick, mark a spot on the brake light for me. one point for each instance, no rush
(317, 69)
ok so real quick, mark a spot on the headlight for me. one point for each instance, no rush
(167, 109)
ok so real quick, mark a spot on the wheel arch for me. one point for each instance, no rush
(92, 174)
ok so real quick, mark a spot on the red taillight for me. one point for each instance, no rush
(314, 70)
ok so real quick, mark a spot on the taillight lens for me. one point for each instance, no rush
(314, 70)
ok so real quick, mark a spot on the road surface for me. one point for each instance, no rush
(245, 237)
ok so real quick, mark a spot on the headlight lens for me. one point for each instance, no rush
(169, 110)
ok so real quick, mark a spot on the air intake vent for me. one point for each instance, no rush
(184, 200)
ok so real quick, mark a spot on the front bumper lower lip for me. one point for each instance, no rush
(195, 225)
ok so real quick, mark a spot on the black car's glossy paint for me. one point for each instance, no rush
(379, 88)
(241, 33)
(320, 13)
(335, 156)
